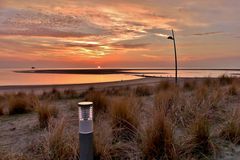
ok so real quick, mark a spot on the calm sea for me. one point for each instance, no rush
(10, 77)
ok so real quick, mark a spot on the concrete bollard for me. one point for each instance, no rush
(86, 130)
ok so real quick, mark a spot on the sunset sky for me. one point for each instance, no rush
(114, 33)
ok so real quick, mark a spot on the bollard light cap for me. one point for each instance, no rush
(85, 104)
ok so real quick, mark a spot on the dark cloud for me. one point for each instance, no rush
(207, 33)
(157, 30)
(34, 23)
(48, 32)
(135, 23)
(129, 46)
(82, 45)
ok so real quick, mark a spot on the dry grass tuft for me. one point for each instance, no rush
(143, 90)
(45, 113)
(215, 99)
(105, 145)
(231, 130)
(86, 92)
(172, 103)
(70, 93)
(158, 141)
(225, 79)
(123, 151)
(119, 151)
(103, 138)
(99, 100)
(1, 110)
(72, 105)
(125, 120)
(183, 111)
(232, 90)
(55, 94)
(166, 99)
(118, 91)
(209, 102)
(208, 81)
(190, 85)
(12, 156)
(2, 98)
(164, 85)
(18, 104)
(201, 142)
(208, 97)
(59, 143)
(52, 95)
(201, 93)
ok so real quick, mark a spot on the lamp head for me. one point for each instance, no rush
(85, 111)
(170, 37)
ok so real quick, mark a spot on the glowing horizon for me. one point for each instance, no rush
(124, 33)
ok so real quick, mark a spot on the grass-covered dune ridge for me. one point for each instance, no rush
(197, 119)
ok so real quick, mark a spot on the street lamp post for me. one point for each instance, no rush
(175, 52)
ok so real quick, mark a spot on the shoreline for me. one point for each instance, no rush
(79, 87)
(85, 86)
(149, 80)
(110, 70)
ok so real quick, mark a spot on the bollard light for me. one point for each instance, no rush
(86, 130)
(85, 117)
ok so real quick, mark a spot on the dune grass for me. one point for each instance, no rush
(231, 130)
(70, 94)
(157, 140)
(118, 91)
(208, 82)
(45, 113)
(232, 90)
(200, 143)
(59, 143)
(190, 85)
(103, 138)
(12, 156)
(166, 99)
(143, 90)
(201, 93)
(211, 98)
(1, 110)
(225, 79)
(124, 119)
(99, 100)
(166, 123)
(54, 94)
(18, 104)
(164, 85)
(116, 133)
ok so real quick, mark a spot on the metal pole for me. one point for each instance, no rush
(175, 52)
(86, 130)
